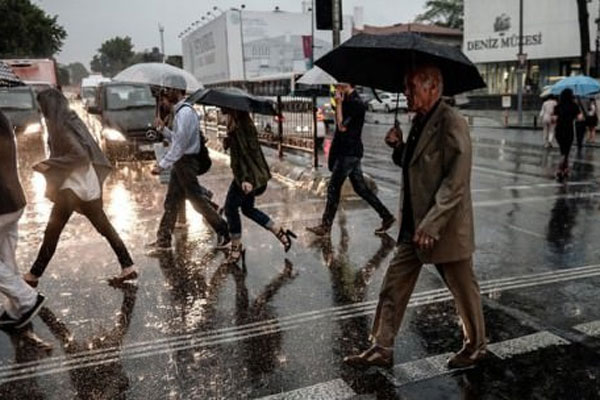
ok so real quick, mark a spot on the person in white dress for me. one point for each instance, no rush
(74, 176)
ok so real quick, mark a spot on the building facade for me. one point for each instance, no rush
(244, 45)
(551, 41)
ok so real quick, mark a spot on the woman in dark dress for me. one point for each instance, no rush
(251, 175)
(74, 176)
(566, 113)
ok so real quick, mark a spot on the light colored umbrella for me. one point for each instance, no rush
(316, 76)
(159, 74)
(582, 86)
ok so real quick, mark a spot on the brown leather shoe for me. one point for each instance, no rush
(375, 356)
(466, 358)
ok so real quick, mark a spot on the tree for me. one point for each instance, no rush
(584, 35)
(77, 71)
(113, 56)
(64, 78)
(27, 31)
(448, 13)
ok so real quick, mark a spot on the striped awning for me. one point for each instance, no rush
(8, 77)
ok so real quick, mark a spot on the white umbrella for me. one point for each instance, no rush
(316, 76)
(159, 74)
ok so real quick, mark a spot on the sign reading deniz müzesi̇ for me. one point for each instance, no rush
(550, 29)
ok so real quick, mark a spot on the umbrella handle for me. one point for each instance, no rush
(396, 122)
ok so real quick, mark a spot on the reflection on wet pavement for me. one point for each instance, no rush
(193, 327)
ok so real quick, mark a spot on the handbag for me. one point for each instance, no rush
(204, 161)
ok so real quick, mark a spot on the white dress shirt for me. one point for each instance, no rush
(184, 138)
(84, 182)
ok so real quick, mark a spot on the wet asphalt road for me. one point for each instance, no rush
(194, 328)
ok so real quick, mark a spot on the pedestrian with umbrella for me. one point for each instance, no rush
(185, 158)
(566, 114)
(250, 169)
(75, 173)
(437, 213)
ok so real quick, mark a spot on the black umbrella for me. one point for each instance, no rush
(382, 61)
(7, 77)
(234, 99)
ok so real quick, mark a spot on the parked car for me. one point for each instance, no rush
(388, 102)
(126, 112)
(21, 107)
(87, 91)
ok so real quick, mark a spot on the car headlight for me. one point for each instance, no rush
(113, 134)
(36, 127)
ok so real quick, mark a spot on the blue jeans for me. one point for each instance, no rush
(349, 167)
(236, 199)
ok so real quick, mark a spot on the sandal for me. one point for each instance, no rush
(285, 237)
(236, 251)
(120, 279)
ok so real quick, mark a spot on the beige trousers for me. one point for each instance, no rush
(399, 283)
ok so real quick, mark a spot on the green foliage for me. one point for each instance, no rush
(113, 56)
(448, 13)
(27, 31)
(64, 78)
(77, 71)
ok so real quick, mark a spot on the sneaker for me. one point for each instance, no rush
(29, 315)
(385, 225)
(319, 230)
(6, 321)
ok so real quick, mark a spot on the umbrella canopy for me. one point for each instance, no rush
(581, 85)
(235, 99)
(382, 61)
(7, 77)
(316, 76)
(159, 74)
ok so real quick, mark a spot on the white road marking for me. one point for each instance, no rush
(526, 344)
(334, 390)
(15, 372)
(589, 328)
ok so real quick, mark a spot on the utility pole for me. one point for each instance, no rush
(520, 67)
(597, 55)
(239, 10)
(161, 29)
(312, 33)
(336, 23)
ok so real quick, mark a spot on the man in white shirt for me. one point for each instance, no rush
(182, 159)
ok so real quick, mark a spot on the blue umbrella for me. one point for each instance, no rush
(581, 85)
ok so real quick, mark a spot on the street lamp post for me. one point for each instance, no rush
(520, 67)
(335, 8)
(239, 10)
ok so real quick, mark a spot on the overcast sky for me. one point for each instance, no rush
(90, 22)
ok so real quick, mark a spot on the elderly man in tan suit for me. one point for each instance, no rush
(437, 221)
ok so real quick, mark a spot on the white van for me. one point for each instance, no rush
(88, 89)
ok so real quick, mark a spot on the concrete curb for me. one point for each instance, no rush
(290, 171)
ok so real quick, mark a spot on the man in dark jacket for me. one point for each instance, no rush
(345, 161)
(22, 302)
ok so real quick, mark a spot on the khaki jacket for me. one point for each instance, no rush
(440, 182)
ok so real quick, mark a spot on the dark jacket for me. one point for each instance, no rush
(12, 198)
(71, 144)
(247, 159)
(349, 143)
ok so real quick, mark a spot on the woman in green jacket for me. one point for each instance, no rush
(251, 175)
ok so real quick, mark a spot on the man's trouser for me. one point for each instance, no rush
(20, 297)
(399, 283)
(349, 167)
(184, 185)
